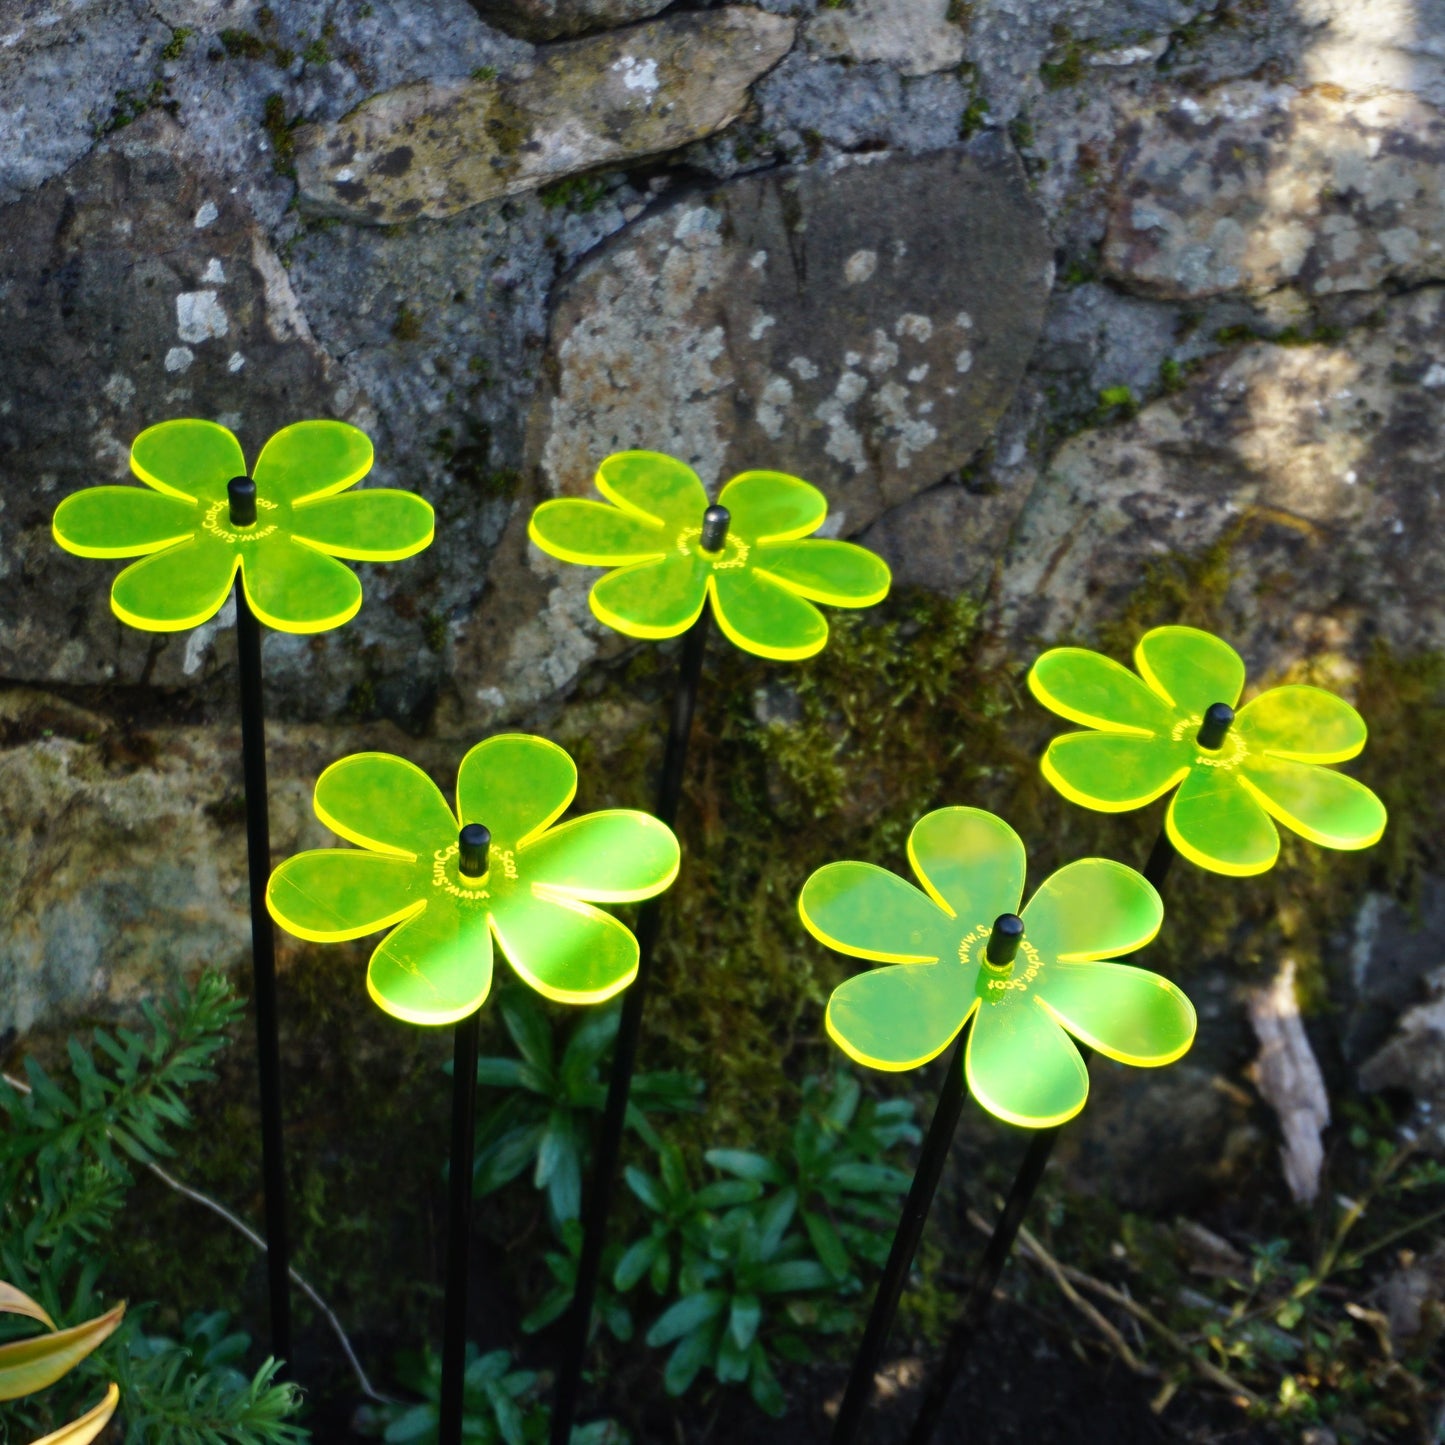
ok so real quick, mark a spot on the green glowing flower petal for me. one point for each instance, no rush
(295, 588)
(1092, 908)
(188, 458)
(653, 487)
(312, 459)
(899, 1017)
(1087, 687)
(386, 803)
(1022, 1067)
(1114, 772)
(595, 534)
(1191, 668)
(761, 616)
(1128, 1014)
(838, 573)
(1216, 823)
(1307, 724)
(867, 911)
(437, 967)
(123, 521)
(516, 785)
(651, 599)
(616, 856)
(377, 525)
(333, 894)
(568, 951)
(971, 862)
(1318, 803)
(175, 589)
(772, 506)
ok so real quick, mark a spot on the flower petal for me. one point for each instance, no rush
(437, 967)
(1307, 724)
(899, 1017)
(1320, 804)
(653, 487)
(1114, 772)
(1022, 1067)
(123, 521)
(615, 856)
(375, 525)
(516, 785)
(1192, 669)
(651, 599)
(761, 616)
(1128, 1014)
(867, 911)
(187, 458)
(385, 803)
(595, 534)
(772, 506)
(1092, 908)
(331, 894)
(568, 951)
(312, 459)
(295, 588)
(839, 573)
(1215, 822)
(1087, 687)
(175, 589)
(971, 862)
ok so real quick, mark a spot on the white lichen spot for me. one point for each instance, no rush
(859, 267)
(215, 273)
(696, 221)
(833, 525)
(917, 373)
(235, 361)
(345, 174)
(758, 261)
(1350, 478)
(802, 368)
(118, 390)
(963, 321)
(843, 444)
(850, 387)
(638, 75)
(852, 358)
(884, 355)
(1435, 377)
(920, 328)
(963, 361)
(777, 394)
(200, 316)
(491, 697)
(206, 215)
(178, 358)
(912, 433)
(198, 641)
(761, 322)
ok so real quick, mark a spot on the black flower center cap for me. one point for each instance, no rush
(242, 494)
(1003, 940)
(474, 844)
(1218, 718)
(715, 523)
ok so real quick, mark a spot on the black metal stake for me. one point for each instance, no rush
(242, 492)
(603, 1184)
(1212, 732)
(1003, 943)
(474, 843)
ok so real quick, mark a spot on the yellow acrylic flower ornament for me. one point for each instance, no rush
(1237, 774)
(752, 553)
(960, 951)
(446, 883)
(199, 517)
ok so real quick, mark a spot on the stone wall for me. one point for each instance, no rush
(1037, 290)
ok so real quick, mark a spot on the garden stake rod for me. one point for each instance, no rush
(242, 495)
(624, 1053)
(473, 848)
(1003, 944)
(1212, 732)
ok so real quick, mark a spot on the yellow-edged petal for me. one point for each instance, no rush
(772, 506)
(436, 968)
(900, 1016)
(1192, 669)
(653, 487)
(312, 459)
(1092, 908)
(385, 803)
(1214, 821)
(1089, 688)
(1307, 724)
(568, 951)
(655, 599)
(294, 588)
(596, 534)
(841, 574)
(867, 911)
(123, 521)
(763, 617)
(1022, 1067)
(615, 856)
(375, 525)
(1318, 803)
(187, 458)
(181, 587)
(1114, 772)
(971, 862)
(328, 895)
(1124, 1013)
(515, 785)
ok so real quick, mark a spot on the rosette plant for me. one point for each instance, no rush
(295, 524)
(758, 561)
(445, 884)
(1234, 776)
